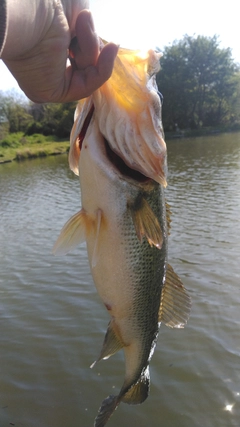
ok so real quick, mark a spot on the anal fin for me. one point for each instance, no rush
(146, 223)
(112, 343)
(175, 304)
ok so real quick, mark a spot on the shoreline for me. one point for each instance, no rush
(40, 146)
(34, 156)
(44, 147)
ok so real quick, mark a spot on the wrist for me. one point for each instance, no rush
(27, 22)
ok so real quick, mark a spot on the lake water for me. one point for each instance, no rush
(52, 323)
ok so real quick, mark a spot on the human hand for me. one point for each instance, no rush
(37, 48)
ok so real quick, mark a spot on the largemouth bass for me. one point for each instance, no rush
(125, 224)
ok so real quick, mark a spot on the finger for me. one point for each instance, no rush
(105, 62)
(85, 47)
(85, 82)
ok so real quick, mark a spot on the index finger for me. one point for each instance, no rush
(84, 48)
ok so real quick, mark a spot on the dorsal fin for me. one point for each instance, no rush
(175, 304)
(146, 223)
(138, 392)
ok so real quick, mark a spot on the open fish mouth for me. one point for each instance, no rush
(122, 167)
(128, 112)
(127, 109)
(116, 160)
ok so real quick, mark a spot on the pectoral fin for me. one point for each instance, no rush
(72, 234)
(112, 343)
(175, 302)
(146, 223)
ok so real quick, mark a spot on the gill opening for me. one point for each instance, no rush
(86, 123)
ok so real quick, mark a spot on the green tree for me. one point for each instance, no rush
(18, 114)
(198, 82)
(51, 119)
(14, 111)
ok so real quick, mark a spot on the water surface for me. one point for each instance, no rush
(52, 323)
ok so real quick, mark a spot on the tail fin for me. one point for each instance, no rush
(106, 410)
(132, 395)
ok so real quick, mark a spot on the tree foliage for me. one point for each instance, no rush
(20, 115)
(200, 84)
(14, 111)
(51, 119)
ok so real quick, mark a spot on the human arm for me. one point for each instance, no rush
(39, 33)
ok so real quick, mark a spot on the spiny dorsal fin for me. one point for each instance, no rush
(146, 223)
(168, 217)
(175, 304)
(112, 343)
(72, 234)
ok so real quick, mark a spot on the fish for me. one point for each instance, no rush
(125, 222)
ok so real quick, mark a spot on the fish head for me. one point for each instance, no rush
(127, 109)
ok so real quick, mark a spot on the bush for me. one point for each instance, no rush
(33, 128)
(12, 140)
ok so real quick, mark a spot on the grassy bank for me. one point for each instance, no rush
(17, 146)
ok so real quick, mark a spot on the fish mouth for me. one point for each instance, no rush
(122, 167)
(115, 159)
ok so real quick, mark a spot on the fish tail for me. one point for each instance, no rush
(106, 410)
(133, 395)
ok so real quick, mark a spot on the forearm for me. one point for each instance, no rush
(27, 21)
